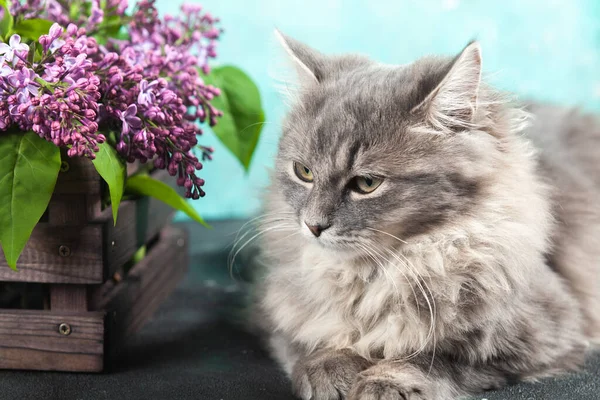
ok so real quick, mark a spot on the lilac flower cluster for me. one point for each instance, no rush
(58, 100)
(145, 92)
(59, 11)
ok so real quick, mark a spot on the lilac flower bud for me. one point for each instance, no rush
(140, 137)
(71, 30)
(160, 164)
(162, 83)
(172, 169)
(122, 148)
(116, 79)
(110, 58)
(45, 41)
(23, 108)
(55, 31)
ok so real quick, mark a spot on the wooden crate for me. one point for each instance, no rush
(78, 261)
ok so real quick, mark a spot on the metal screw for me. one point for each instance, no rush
(113, 243)
(64, 251)
(180, 242)
(64, 329)
(64, 166)
(117, 277)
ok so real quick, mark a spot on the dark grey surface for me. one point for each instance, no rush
(189, 351)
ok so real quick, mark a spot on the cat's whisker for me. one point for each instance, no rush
(430, 304)
(431, 333)
(409, 269)
(406, 278)
(380, 264)
(388, 234)
(267, 217)
(246, 243)
(259, 217)
(282, 227)
(255, 124)
(420, 350)
(262, 217)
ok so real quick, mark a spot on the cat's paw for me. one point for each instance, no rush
(327, 375)
(390, 382)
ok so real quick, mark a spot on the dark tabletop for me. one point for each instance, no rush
(189, 350)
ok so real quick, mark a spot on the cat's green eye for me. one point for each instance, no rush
(303, 173)
(366, 184)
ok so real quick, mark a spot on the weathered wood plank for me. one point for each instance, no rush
(78, 176)
(87, 252)
(52, 341)
(68, 297)
(149, 282)
(138, 222)
(68, 209)
(72, 254)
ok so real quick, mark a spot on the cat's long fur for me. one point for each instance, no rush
(473, 265)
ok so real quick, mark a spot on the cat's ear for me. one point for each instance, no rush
(294, 65)
(453, 102)
(307, 61)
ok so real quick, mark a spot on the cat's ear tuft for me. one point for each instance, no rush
(453, 102)
(299, 66)
(307, 61)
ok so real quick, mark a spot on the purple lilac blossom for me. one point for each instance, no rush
(147, 91)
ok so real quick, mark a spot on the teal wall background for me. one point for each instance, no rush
(547, 50)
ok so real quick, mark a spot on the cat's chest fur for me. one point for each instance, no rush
(320, 300)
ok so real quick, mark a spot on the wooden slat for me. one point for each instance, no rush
(68, 297)
(31, 340)
(80, 177)
(133, 300)
(138, 222)
(79, 260)
(68, 209)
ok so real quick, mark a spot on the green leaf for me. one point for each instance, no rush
(139, 254)
(74, 10)
(143, 185)
(33, 28)
(243, 117)
(29, 167)
(112, 25)
(112, 169)
(7, 22)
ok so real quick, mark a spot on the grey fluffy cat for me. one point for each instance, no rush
(423, 240)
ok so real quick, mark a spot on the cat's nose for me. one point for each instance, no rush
(317, 229)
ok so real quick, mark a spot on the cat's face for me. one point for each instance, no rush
(361, 158)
